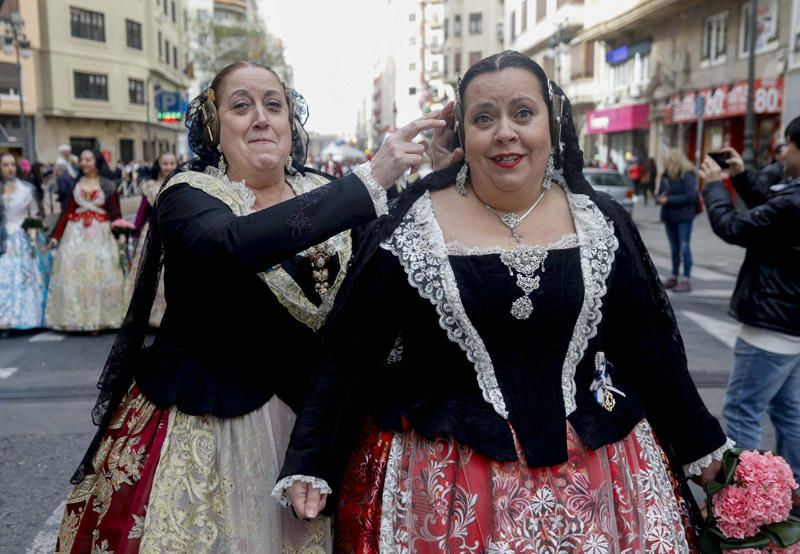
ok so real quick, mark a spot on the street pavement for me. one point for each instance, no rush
(47, 386)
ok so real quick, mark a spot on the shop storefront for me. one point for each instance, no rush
(622, 132)
(723, 124)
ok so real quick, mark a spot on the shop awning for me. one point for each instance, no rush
(618, 120)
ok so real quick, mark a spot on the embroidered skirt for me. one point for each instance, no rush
(86, 285)
(22, 283)
(164, 481)
(160, 301)
(404, 493)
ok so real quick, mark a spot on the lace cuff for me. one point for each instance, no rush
(279, 492)
(696, 468)
(376, 192)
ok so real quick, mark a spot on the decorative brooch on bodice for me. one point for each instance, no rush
(525, 260)
(319, 256)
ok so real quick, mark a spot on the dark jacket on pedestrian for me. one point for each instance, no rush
(65, 184)
(767, 293)
(681, 203)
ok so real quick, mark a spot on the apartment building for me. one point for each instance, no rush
(473, 29)
(111, 76)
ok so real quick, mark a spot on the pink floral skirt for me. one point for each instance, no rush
(404, 493)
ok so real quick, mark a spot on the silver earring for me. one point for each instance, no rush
(461, 179)
(548, 172)
(221, 165)
(289, 164)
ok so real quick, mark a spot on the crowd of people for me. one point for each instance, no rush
(71, 267)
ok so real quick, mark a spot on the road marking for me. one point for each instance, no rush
(6, 372)
(723, 331)
(47, 336)
(699, 273)
(710, 293)
(45, 540)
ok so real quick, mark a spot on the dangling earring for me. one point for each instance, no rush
(461, 179)
(548, 172)
(221, 165)
(289, 164)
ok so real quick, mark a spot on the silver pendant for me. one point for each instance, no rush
(522, 308)
(524, 260)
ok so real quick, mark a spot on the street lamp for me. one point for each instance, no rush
(15, 39)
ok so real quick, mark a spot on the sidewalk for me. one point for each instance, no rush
(708, 251)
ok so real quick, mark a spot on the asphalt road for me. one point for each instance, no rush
(47, 391)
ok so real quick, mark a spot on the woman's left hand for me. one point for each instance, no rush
(306, 500)
(444, 149)
(710, 171)
(709, 473)
(662, 198)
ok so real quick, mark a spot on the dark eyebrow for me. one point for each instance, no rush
(483, 105)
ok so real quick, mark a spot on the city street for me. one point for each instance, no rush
(47, 387)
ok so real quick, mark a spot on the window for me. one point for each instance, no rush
(412, 41)
(715, 37)
(412, 17)
(435, 66)
(475, 23)
(174, 19)
(87, 24)
(524, 16)
(133, 32)
(474, 57)
(541, 10)
(412, 66)
(444, 60)
(513, 25)
(91, 86)
(166, 51)
(175, 57)
(412, 91)
(641, 68)
(79, 144)
(582, 59)
(160, 47)
(457, 26)
(8, 79)
(446, 28)
(126, 150)
(166, 7)
(136, 91)
(767, 24)
(457, 62)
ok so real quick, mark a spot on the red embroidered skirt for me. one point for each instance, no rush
(403, 493)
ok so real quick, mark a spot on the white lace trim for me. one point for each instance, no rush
(696, 468)
(247, 197)
(419, 245)
(376, 192)
(279, 491)
(388, 543)
(598, 245)
(455, 248)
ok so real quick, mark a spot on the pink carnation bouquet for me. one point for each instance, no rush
(749, 509)
(122, 227)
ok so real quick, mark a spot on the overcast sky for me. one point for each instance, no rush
(331, 46)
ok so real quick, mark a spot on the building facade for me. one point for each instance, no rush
(112, 78)
(19, 98)
(473, 29)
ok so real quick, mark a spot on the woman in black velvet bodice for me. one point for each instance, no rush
(507, 339)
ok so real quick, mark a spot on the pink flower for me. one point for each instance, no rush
(122, 224)
(769, 482)
(792, 549)
(732, 510)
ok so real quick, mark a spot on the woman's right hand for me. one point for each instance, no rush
(399, 153)
(53, 244)
(306, 500)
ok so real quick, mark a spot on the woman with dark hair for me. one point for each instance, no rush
(538, 397)
(22, 285)
(254, 248)
(164, 165)
(85, 292)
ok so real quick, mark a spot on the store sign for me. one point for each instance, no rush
(170, 106)
(726, 101)
(618, 120)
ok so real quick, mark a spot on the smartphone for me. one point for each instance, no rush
(721, 158)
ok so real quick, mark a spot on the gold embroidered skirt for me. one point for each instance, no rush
(164, 481)
(160, 301)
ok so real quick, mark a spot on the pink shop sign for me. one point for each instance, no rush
(618, 120)
(726, 101)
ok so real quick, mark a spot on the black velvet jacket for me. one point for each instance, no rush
(226, 344)
(404, 351)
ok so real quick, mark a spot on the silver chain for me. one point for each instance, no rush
(512, 220)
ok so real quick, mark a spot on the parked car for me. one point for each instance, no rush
(611, 181)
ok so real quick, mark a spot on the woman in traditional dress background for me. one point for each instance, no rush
(22, 285)
(86, 285)
(539, 398)
(254, 248)
(164, 165)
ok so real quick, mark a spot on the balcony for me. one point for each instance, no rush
(238, 7)
(610, 20)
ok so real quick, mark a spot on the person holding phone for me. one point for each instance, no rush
(766, 300)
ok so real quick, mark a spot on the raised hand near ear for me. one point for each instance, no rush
(445, 150)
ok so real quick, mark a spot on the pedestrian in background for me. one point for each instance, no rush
(86, 285)
(21, 282)
(766, 300)
(649, 176)
(635, 174)
(64, 183)
(65, 153)
(677, 194)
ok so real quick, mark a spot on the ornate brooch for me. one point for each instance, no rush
(602, 387)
